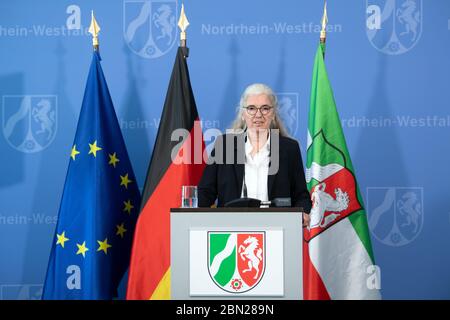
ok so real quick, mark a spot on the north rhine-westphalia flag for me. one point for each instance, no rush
(177, 160)
(337, 251)
(99, 206)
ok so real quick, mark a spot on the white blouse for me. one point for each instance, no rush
(256, 171)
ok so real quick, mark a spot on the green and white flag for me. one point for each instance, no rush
(337, 251)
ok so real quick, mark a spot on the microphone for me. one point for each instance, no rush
(245, 187)
(281, 202)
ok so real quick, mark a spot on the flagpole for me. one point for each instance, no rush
(183, 23)
(323, 33)
(94, 29)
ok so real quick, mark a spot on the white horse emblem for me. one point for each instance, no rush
(45, 116)
(410, 207)
(165, 21)
(322, 202)
(409, 16)
(252, 252)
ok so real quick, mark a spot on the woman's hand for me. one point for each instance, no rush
(306, 220)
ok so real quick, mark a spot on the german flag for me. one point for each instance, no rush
(173, 164)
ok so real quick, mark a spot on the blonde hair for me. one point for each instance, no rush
(256, 89)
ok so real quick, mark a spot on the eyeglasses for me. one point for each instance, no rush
(253, 110)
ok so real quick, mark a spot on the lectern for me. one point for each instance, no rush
(236, 253)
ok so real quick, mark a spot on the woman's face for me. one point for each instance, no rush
(259, 112)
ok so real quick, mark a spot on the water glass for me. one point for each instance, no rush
(189, 197)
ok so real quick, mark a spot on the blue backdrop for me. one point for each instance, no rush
(388, 61)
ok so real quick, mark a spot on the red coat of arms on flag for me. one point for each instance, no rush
(333, 199)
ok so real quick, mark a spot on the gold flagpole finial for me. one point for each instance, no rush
(323, 33)
(183, 23)
(94, 29)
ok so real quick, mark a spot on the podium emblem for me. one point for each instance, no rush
(236, 260)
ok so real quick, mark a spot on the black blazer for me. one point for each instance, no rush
(224, 181)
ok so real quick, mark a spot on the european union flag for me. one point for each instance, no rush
(99, 205)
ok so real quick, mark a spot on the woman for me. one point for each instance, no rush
(257, 168)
